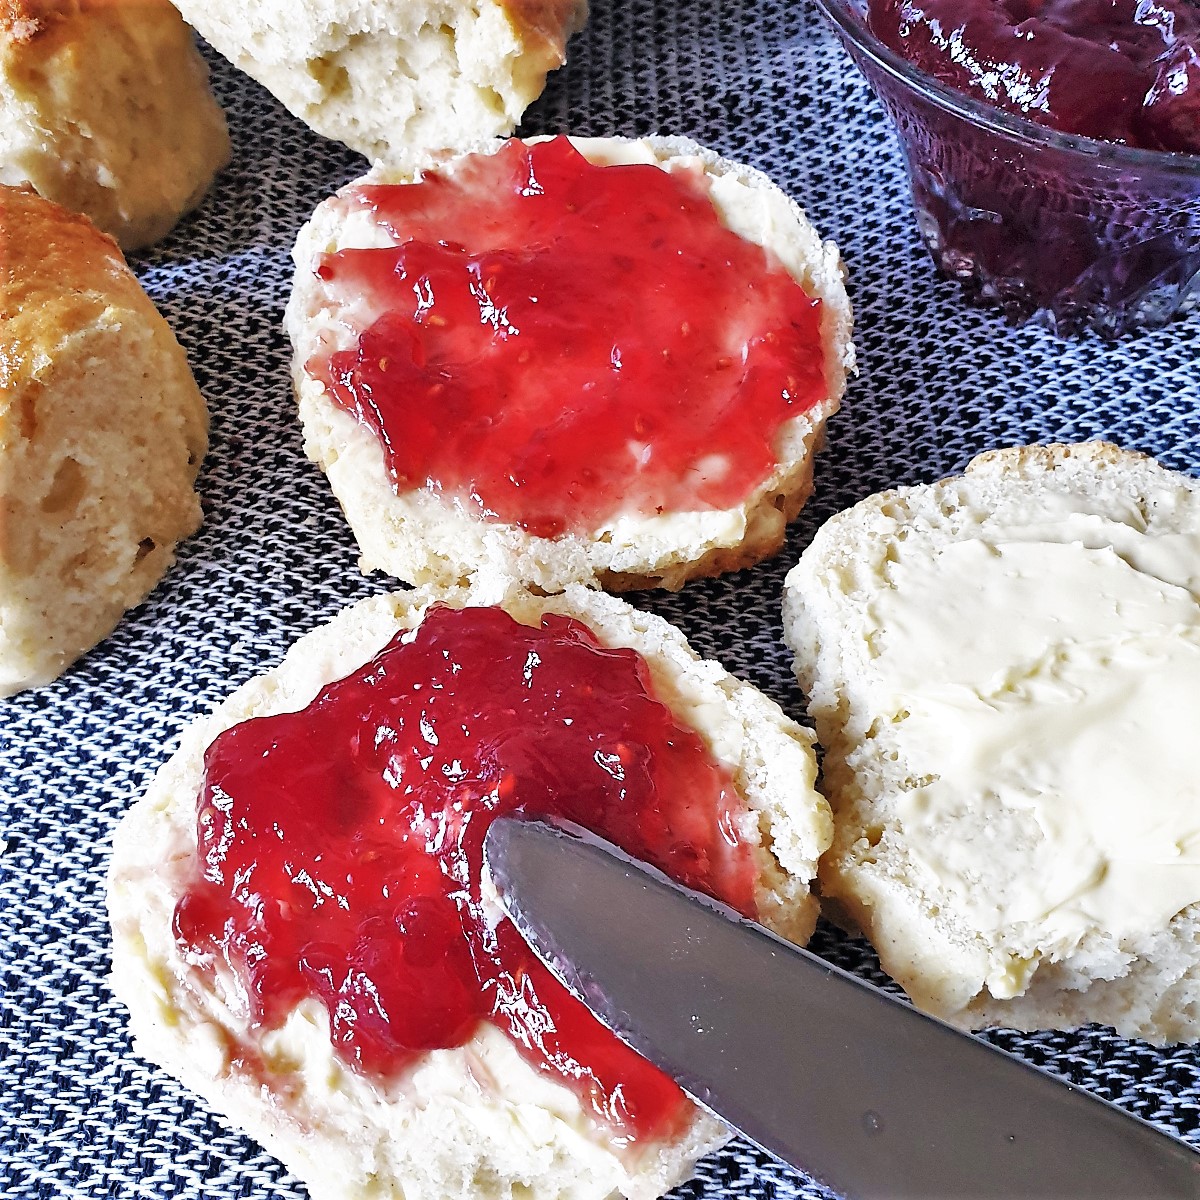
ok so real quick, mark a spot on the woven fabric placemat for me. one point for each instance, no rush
(80, 1116)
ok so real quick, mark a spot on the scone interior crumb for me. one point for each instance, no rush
(400, 81)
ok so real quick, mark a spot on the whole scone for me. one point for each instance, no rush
(1004, 670)
(395, 79)
(105, 108)
(475, 1117)
(424, 530)
(102, 430)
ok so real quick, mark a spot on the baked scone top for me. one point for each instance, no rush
(58, 272)
(551, 22)
(102, 429)
(29, 20)
(24, 20)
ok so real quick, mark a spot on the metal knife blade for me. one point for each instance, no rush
(817, 1067)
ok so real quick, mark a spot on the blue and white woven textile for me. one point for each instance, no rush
(80, 1117)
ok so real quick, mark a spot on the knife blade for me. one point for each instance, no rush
(817, 1067)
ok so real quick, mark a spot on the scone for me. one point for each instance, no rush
(565, 360)
(105, 108)
(1004, 671)
(395, 79)
(302, 934)
(102, 430)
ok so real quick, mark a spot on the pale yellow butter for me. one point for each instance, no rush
(1045, 679)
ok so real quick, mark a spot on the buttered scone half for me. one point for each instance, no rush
(105, 108)
(102, 430)
(564, 360)
(1004, 671)
(395, 79)
(302, 934)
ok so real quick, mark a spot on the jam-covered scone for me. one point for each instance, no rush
(559, 360)
(105, 109)
(1004, 672)
(102, 430)
(395, 79)
(303, 935)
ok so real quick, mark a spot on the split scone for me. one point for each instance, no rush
(302, 935)
(395, 79)
(1004, 670)
(566, 360)
(105, 108)
(102, 430)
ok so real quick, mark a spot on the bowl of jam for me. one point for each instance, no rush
(1053, 148)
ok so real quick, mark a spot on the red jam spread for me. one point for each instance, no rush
(1120, 70)
(340, 847)
(554, 343)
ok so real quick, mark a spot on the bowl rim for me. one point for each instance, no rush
(848, 17)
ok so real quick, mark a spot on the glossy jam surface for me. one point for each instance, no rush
(1119, 70)
(1096, 237)
(554, 343)
(340, 847)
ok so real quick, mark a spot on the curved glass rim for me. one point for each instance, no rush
(848, 17)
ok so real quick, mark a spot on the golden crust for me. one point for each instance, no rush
(102, 430)
(1053, 456)
(108, 111)
(548, 22)
(27, 21)
(57, 273)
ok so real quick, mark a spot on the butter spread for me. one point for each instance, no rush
(1043, 679)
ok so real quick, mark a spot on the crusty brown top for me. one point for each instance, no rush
(58, 273)
(550, 22)
(26, 20)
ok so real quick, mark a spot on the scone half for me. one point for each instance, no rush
(722, 505)
(473, 1118)
(1004, 673)
(395, 79)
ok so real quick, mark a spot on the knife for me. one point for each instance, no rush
(817, 1067)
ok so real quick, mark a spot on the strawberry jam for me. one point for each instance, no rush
(340, 847)
(553, 343)
(1120, 70)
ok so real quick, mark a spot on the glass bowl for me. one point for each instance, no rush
(1066, 230)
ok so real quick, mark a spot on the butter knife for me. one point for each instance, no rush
(817, 1067)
